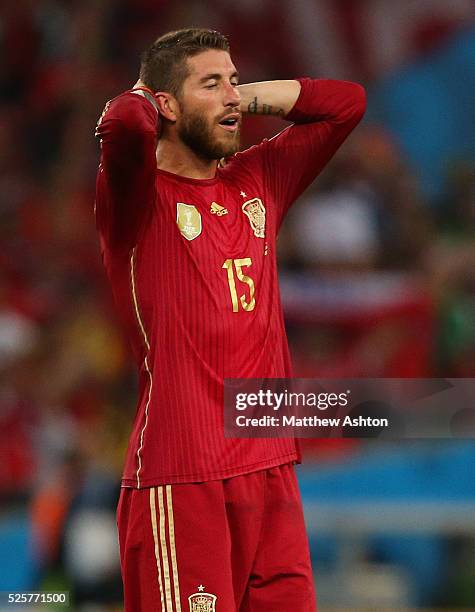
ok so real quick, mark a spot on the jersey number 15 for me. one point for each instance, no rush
(238, 264)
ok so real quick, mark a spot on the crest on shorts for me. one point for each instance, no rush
(202, 602)
(256, 213)
(188, 220)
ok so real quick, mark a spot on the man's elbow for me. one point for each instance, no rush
(358, 106)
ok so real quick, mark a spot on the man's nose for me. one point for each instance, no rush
(232, 96)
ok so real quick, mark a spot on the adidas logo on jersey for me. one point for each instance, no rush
(216, 209)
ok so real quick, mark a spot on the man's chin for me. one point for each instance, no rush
(230, 145)
(228, 152)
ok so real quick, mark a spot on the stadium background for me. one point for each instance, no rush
(377, 263)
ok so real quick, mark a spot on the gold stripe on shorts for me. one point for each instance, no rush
(153, 516)
(164, 551)
(161, 521)
(171, 528)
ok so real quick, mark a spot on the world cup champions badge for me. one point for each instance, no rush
(188, 219)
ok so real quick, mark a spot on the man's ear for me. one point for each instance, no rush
(167, 105)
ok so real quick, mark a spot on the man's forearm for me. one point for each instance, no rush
(269, 97)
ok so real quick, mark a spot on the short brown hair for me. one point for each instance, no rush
(163, 64)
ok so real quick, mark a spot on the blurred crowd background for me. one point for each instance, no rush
(377, 267)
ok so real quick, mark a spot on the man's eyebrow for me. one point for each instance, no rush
(217, 76)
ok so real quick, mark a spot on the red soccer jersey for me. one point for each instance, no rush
(193, 268)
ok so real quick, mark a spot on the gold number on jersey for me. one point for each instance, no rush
(238, 265)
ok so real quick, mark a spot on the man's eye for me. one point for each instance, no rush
(211, 86)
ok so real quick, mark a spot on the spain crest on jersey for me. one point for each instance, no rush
(202, 602)
(188, 219)
(256, 213)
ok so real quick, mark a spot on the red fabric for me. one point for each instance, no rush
(242, 539)
(17, 465)
(175, 294)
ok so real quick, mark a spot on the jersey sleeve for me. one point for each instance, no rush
(125, 188)
(324, 114)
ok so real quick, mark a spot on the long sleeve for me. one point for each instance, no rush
(324, 114)
(125, 189)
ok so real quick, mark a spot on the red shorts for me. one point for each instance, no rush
(221, 546)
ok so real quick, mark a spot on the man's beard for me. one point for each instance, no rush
(196, 133)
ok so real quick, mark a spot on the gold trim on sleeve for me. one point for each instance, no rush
(146, 365)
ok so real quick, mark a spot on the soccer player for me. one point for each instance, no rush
(188, 228)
